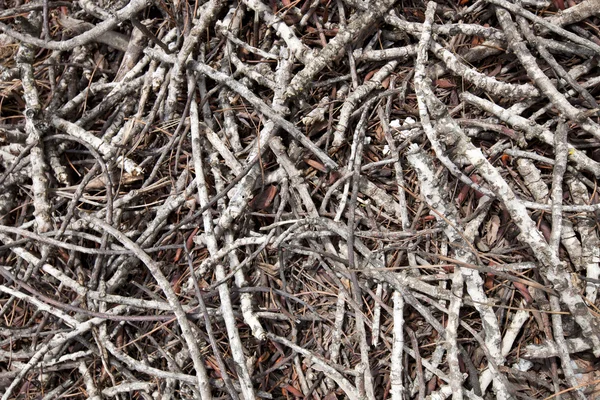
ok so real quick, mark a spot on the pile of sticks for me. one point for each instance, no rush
(315, 199)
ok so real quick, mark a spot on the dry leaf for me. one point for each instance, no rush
(496, 70)
(264, 199)
(489, 281)
(476, 41)
(293, 391)
(379, 134)
(524, 292)
(444, 83)
(385, 83)
(492, 230)
(99, 182)
(316, 165)
(333, 177)
(370, 75)
(462, 195)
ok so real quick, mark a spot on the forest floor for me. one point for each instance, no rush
(342, 199)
